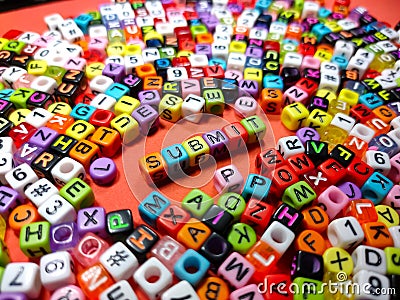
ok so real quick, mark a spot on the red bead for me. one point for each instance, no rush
(84, 98)
(307, 85)
(332, 170)
(237, 135)
(187, 45)
(101, 117)
(94, 280)
(358, 172)
(301, 164)
(183, 32)
(363, 210)
(182, 61)
(317, 180)
(171, 220)
(284, 176)
(257, 214)
(361, 113)
(196, 73)
(272, 45)
(307, 49)
(268, 160)
(12, 34)
(190, 15)
(21, 133)
(214, 71)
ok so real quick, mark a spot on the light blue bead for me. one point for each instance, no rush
(151, 207)
(83, 22)
(320, 30)
(370, 100)
(376, 187)
(290, 41)
(273, 82)
(82, 112)
(341, 61)
(215, 61)
(324, 13)
(263, 5)
(177, 160)
(6, 93)
(256, 187)
(193, 260)
(117, 91)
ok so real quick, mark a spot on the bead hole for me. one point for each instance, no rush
(335, 196)
(67, 167)
(152, 274)
(62, 233)
(42, 82)
(191, 265)
(90, 246)
(278, 236)
(215, 246)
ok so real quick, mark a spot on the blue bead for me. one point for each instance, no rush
(117, 91)
(355, 86)
(162, 63)
(151, 207)
(320, 30)
(384, 143)
(376, 187)
(370, 100)
(215, 61)
(154, 43)
(263, 5)
(176, 158)
(341, 61)
(82, 112)
(290, 41)
(83, 22)
(253, 62)
(256, 187)
(193, 261)
(273, 82)
(6, 93)
(195, 22)
(395, 106)
(324, 13)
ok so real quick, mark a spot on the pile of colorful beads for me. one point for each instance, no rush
(321, 213)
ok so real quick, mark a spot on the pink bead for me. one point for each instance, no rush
(236, 270)
(68, 292)
(333, 200)
(24, 81)
(310, 62)
(89, 249)
(295, 94)
(393, 198)
(234, 74)
(99, 44)
(43, 41)
(250, 290)
(228, 179)
(246, 106)
(394, 173)
(190, 86)
(75, 63)
(168, 251)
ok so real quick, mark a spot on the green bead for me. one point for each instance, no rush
(392, 260)
(136, 5)
(116, 36)
(255, 127)
(307, 289)
(198, 29)
(298, 194)
(20, 96)
(1, 273)
(78, 193)
(14, 46)
(298, 5)
(197, 203)
(215, 102)
(233, 203)
(55, 72)
(242, 237)
(1, 86)
(167, 52)
(34, 239)
(96, 17)
(4, 257)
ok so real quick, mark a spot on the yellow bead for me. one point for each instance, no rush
(153, 35)
(94, 69)
(238, 47)
(116, 49)
(333, 26)
(133, 49)
(255, 128)
(80, 130)
(392, 260)
(337, 260)
(185, 53)
(253, 74)
(126, 105)
(381, 62)
(294, 115)
(319, 120)
(127, 127)
(170, 108)
(3, 42)
(197, 149)
(323, 55)
(338, 106)
(60, 108)
(327, 94)
(37, 67)
(18, 116)
(387, 215)
(334, 135)
(348, 96)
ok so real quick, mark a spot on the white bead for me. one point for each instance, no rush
(53, 20)
(52, 34)
(115, 59)
(386, 46)
(21, 177)
(103, 101)
(228, 179)
(347, 24)
(7, 145)
(70, 31)
(57, 210)
(395, 136)
(345, 232)
(363, 132)
(41, 190)
(29, 37)
(119, 261)
(369, 259)
(22, 278)
(224, 29)
(97, 31)
(258, 34)
(57, 60)
(387, 83)
(71, 50)
(44, 54)
(44, 84)
(124, 11)
(310, 9)
(378, 160)
(221, 13)
(177, 73)
(390, 33)
(149, 55)
(222, 38)
(343, 121)
(236, 61)
(38, 117)
(192, 108)
(278, 28)
(120, 290)
(153, 267)
(329, 68)
(278, 236)
(292, 60)
(289, 146)
(395, 123)
(11, 75)
(6, 165)
(144, 21)
(67, 169)
(220, 50)
(359, 64)
(368, 281)
(395, 234)
(56, 270)
(181, 290)
(246, 106)
(165, 29)
(198, 60)
(329, 82)
(344, 48)
(178, 22)
(100, 84)
(132, 61)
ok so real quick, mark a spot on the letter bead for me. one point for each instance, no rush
(56, 270)
(345, 232)
(71, 291)
(78, 193)
(92, 219)
(181, 290)
(191, 260)
(34, 239)
(376, 187)
(228, 179)
(117, 290)
(236, 270)
(369, 259)
(94, 280)
(141, 241)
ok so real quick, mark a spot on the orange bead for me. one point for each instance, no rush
(153, 83)
(384, 113)
(315, 218)
(204, 38)
(60, 123)
(380, 126)
(357, 145)
(293, 32)
(264, 258)
(310, 241)
(94, 280)
(193, 234)
(271, 101)
(153, 167)
(243, 30)
(145, 70)
(85, 152)
(363, 210)
(108, 140)
(325, 47)
(377, 235)
(213, 288)
(132, 32)
(22, 215)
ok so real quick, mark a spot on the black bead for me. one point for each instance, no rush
(44, 163)
(6, 58)
(67, 92)
(290, 76)
(208, 83)
(355, 86)
(331, 38)
(154, 43)
(172, 88)
(308, 265)
(21, 61)
(161, 66)
(62, 145)
(342, 155)
(263, 20)
(140, 241)
(318, 103)
(317, 151)
(366, 19)
(134, 83)
(371, 85)
(288, 216)
(5, 126)
(75, 77)
(215, 249)
(119, 224)
(217, 219)
(39, 100)
(6, 108)
(395, 94)
(230, 90)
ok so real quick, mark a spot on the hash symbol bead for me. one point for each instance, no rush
(103, 171)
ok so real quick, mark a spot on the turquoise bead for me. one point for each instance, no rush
(83, 22)
(117, 91)
(151, 207)
(215, 61)
(176, 158)
(376, 187)
(82, 112)
(370, 100)
(273, 82)
(256, 187)
(194, 261)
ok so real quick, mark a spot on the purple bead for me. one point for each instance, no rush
(92, 219)
(115, 71)
(13, 296)
(27, 153)
(103, 171)
(254, 52)
(211, 22)
(9, 199)
(147, 117)
(44, 137)
(395, 105)
(217, 142)
(248, 87)
(204, 49)
(63, 236)
(235, 8)
(351, 190)
(150, 97)
(307, 134)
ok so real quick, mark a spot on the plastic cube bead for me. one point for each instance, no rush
(78, 193)
(255, 128)
(9, 200)
(57, 210)
(85, 152)
(236, 270)
(242, 237)
(89, 249)
(256, 187)
(172, 220)
(380, 283)
(176, 160)
(197, 203)
(56, 270)
(333, 200)
(213, 286)
(197, 149)
(68, 291)
(310, 241)
(67, 169)
(337, 260)
(153, 167)
(377, 235)
(182, 289)
(345, 232)
(34, 239)
(228, 179)
(288, 216)
(308, 265)
(193, 234)
(370, 259)
(94, 280)
(218, 219)
(108, 140)
(237, 136)
(92, 219)
(315, 218)
(387, 215)
(21, 178)
(191, 259)
(310, 290)
(22, 278)
(376, 187)
(152, 206)
(141, 241)
(40, 191)
(168, 251)
(217, 142)
(63, 236)
(119, 223)
(298, 194)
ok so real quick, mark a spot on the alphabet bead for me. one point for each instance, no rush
(121, 288)
(369, 259)
(182, 289)
(191, 259)
(228, 179)
(236, 270)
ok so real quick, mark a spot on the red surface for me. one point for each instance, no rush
(119, 194)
